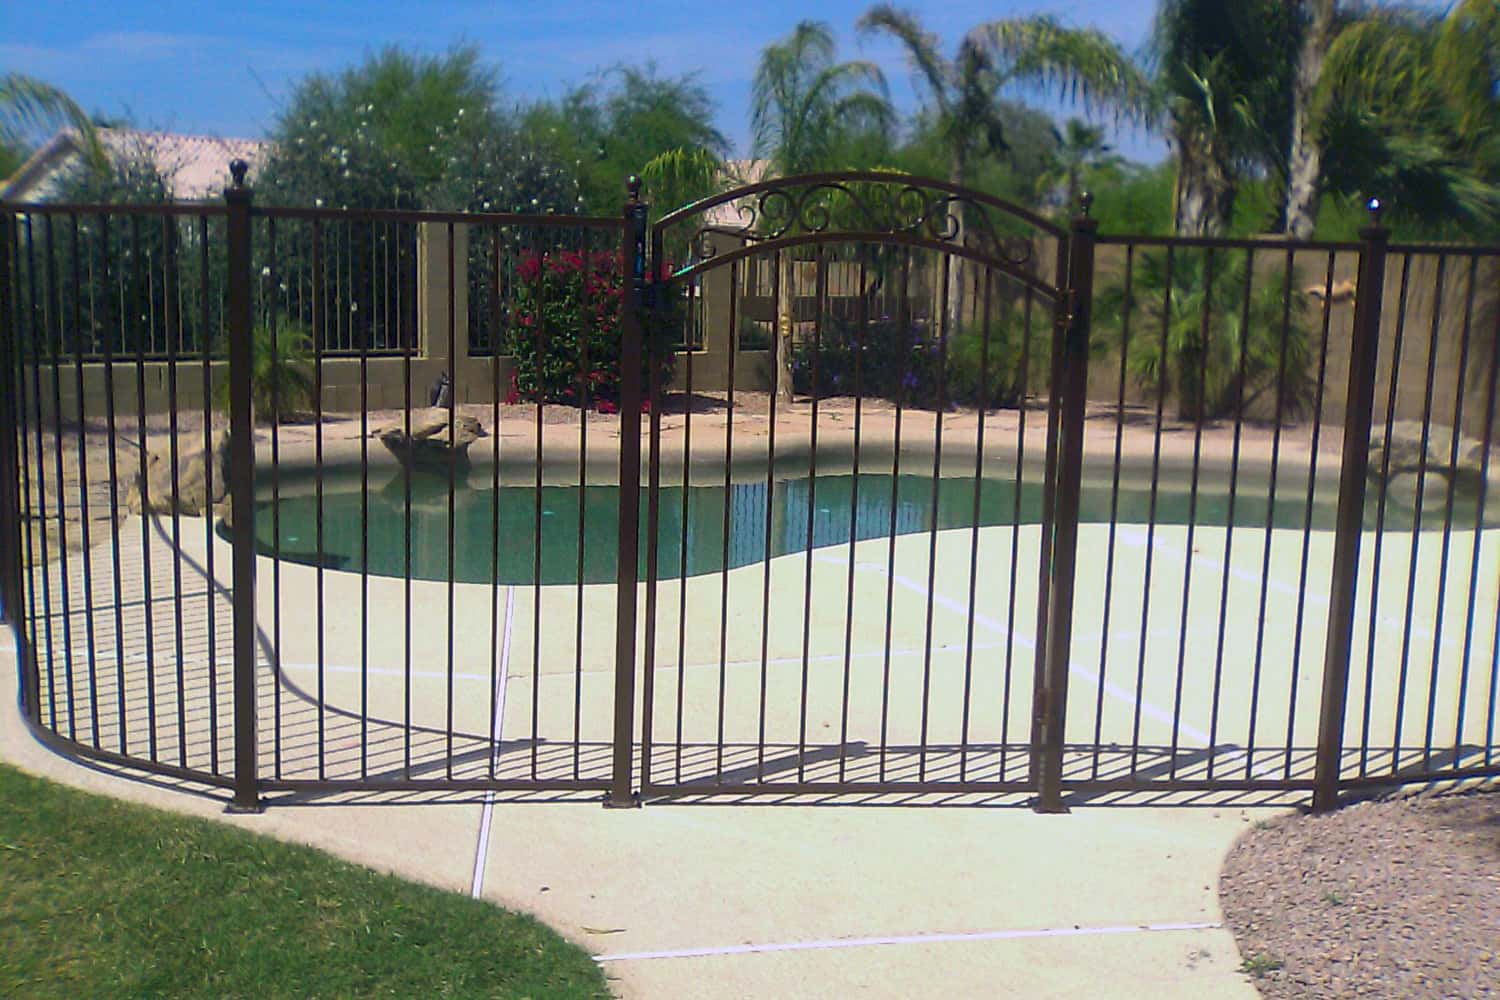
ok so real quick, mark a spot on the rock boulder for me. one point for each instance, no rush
(427, 444)
(192, 493)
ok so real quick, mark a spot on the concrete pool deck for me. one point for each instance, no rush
(884, 896)
(796, 900)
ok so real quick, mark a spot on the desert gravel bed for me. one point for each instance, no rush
(1394, 898)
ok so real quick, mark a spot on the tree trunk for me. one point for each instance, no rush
(785, 316)
(1205, 188)
(1305, 158)
(955, 311)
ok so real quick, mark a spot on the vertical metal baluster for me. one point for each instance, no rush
(1128, 309)
(727, 528)
(25, 336)
(861, 333)
(172, 328)
(408, 348)
(53, 326)
(366, 328)
(903, 322)
(765, 599)
(654, 342)
(1161, 397)
(542, 348)
(1312, 485)
(937, 471)
(1474, 559)
(497, 722)
(201, 343)
(820, 292)
(1201, 415)
(452, 552)
(682, 576)
(34, 338)
(140, 337)
(1234, 475)
(1265, 561)
(320, 336)
(86, 555)
(974, 518)
(114, 481)
(1017, 515)
(1385, 471)
(1416, 523)
(1460, 373)
(584, 395)
(276, 496)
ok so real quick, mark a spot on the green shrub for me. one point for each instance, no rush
(564, 338)
(1220, 366)
(893, 360)
(281, 381)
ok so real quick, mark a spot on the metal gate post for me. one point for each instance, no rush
(242, 490)
(11, 558)
(621, 794)
(1052, 700)
(1364, 353)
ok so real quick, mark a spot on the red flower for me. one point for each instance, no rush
(605, 406)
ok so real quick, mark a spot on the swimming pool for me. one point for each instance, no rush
(761, 519)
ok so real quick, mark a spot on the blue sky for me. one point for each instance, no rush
(225, 69)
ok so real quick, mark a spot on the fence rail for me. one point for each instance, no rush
(894, 489)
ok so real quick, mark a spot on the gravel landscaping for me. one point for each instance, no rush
(1392, 898)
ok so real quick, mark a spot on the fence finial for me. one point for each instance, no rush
(633, 188)
(237, 170)
(1085, 203)
(1375, 208)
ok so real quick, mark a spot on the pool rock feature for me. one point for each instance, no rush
(1399, 458)
(427, 445)
(191, 493)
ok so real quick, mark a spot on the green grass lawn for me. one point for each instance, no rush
(102, 898)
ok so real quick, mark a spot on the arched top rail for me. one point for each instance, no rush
(873, 206)
(1012, 269)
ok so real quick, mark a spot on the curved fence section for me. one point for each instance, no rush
(867, 483)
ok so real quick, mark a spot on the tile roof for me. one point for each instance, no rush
(195, 166)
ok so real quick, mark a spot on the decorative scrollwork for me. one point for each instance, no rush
(864, 209)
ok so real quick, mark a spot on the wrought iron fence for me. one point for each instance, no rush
(892, 488)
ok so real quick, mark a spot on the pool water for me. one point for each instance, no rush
(692, 533)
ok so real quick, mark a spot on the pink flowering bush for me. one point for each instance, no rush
(564, 338)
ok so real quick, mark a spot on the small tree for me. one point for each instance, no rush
(1215, 357)
(564, 336)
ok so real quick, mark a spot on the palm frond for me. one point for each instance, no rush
(1078, 64)
(933, 72)
(28, 103)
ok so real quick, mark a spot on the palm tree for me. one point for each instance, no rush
(1305, 153)
(962, 94)
(1223, 73)
(1408, 108)
(1080, 148)
(804, 106)
(27, 103)
(804, 109)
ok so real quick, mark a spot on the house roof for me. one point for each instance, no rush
(738, 173)
(196, 167)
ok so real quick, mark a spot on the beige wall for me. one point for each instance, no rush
(474, 378)
(1422, 305)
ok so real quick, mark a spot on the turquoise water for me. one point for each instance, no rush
(478, 512)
